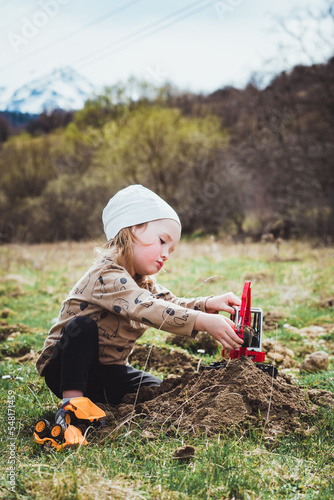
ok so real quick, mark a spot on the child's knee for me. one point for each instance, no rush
(81, 325)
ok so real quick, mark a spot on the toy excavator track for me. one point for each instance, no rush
(268, 368)
(265, 367)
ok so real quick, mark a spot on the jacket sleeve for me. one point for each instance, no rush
(198, 304)
(116, 291)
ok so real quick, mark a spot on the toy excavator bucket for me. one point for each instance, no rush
(73, 436)
(85, 409)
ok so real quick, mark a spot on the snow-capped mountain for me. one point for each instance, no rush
(62, 89)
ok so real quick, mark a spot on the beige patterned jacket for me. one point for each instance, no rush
(123, 311)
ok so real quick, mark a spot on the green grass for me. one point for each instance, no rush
(240, 464)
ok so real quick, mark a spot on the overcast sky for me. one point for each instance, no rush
(197, 45)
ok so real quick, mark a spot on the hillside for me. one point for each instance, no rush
(246, 162)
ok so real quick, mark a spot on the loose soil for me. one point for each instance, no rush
(163, 360)
(6, 330)
(202, 342)
(212, 401)
(329, 302)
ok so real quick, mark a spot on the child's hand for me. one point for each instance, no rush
(220, 328)
(222, 303)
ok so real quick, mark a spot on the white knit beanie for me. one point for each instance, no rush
(134, 205)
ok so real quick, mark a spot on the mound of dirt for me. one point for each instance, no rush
(278, 353)
(328, 302)
(161, 359)
(271, 319)
(260, 276)
(6, 312)
(203, 341)
(7, 330)
(216, 400)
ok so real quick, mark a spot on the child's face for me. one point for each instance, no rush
(159, 238)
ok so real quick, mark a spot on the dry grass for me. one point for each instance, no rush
(81, 483)
(290, 278)
(81, 254)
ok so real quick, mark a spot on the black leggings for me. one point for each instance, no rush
(75, 366)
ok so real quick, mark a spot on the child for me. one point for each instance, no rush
(86, 351)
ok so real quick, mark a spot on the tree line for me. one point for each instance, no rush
(238, 161)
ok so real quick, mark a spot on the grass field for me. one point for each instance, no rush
(291, 281)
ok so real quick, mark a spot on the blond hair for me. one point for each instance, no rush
(119, 249)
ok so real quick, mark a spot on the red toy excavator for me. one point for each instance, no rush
(248, 327)
(248, 322)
